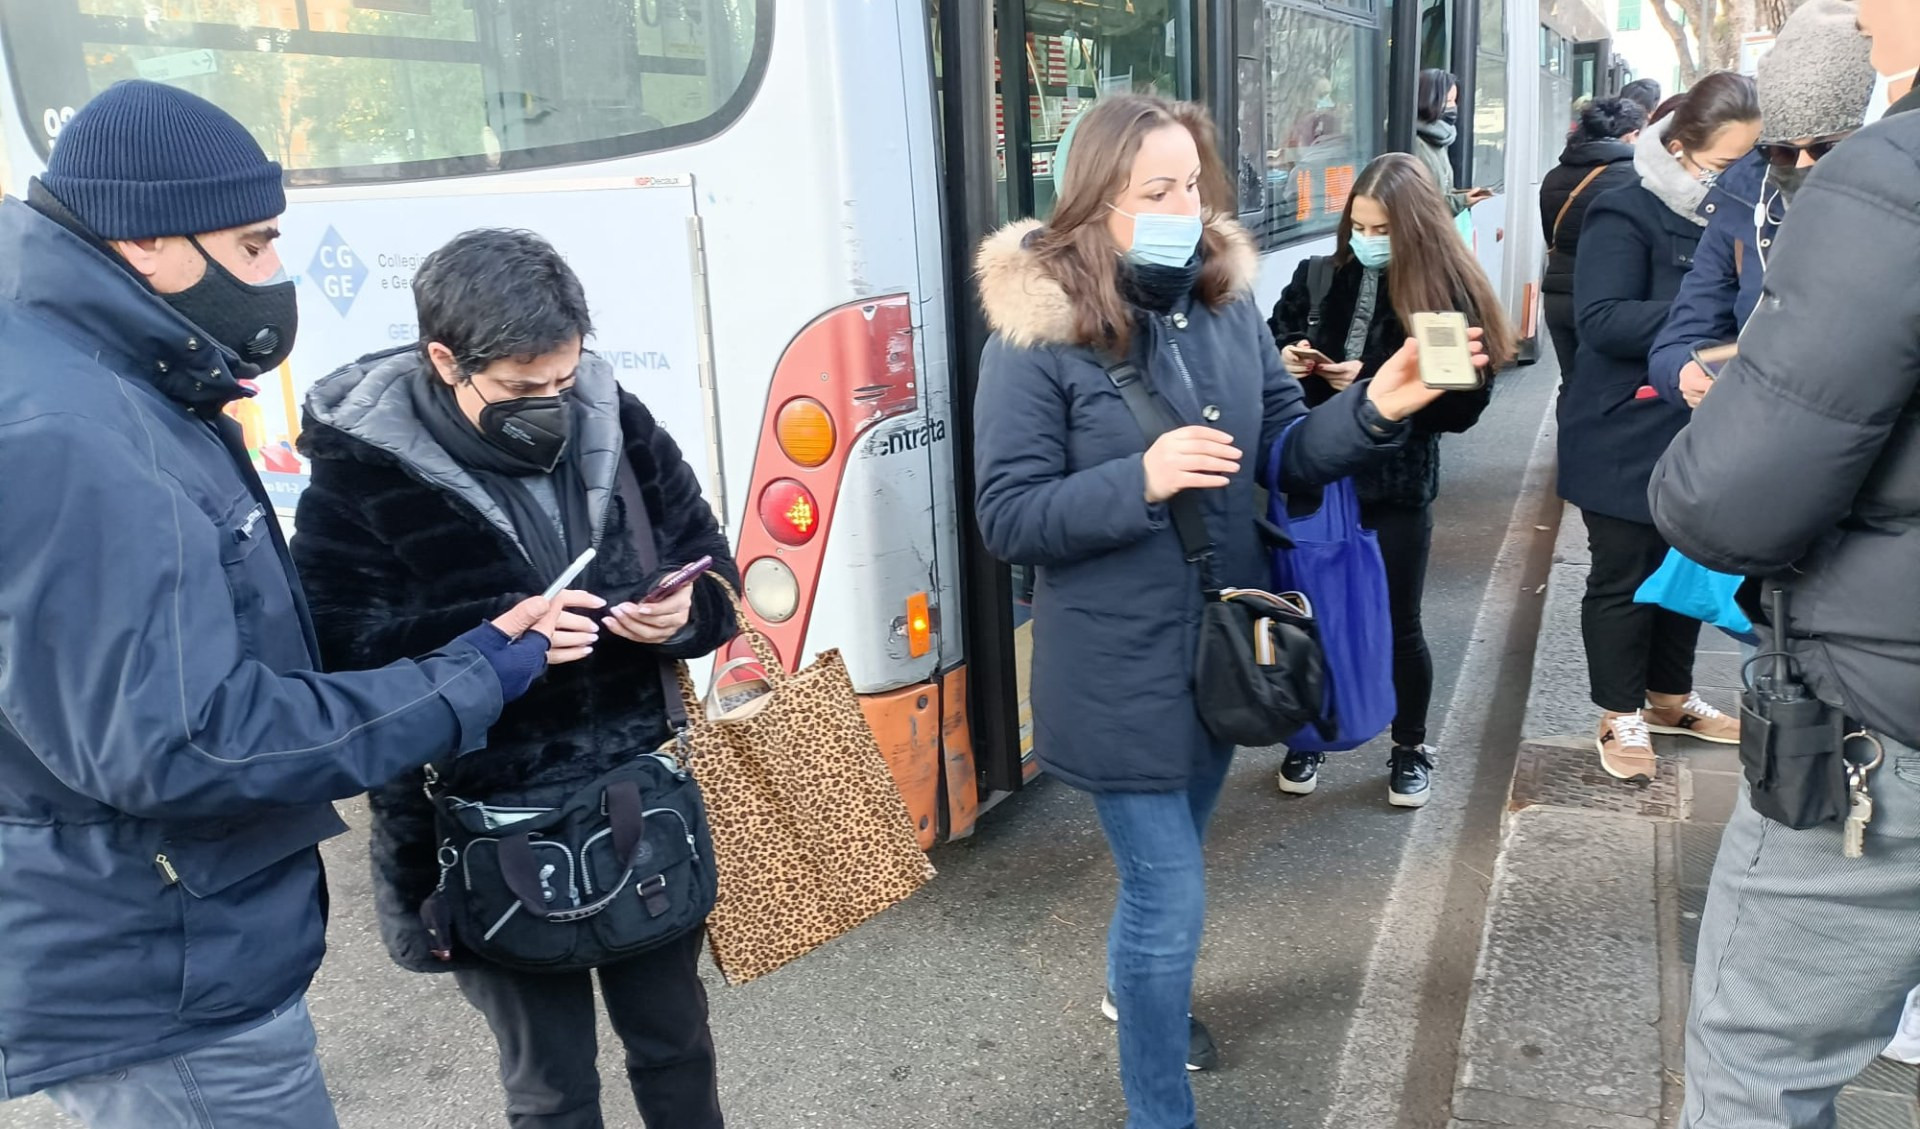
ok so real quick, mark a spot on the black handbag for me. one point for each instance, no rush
(1260, 675)
(621, 866)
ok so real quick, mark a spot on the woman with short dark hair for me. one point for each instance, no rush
(451, 477)
(1438, 129)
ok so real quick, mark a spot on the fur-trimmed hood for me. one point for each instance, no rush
(1027, 306)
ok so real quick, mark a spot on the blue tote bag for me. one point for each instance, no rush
(1336, 564)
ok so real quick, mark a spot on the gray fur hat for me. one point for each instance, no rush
(1816, 79)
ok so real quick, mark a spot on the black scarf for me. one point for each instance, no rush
(505, 478)
(1159, 289)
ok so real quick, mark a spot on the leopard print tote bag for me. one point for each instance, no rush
(810, 835)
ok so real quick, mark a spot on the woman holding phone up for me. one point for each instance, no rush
(1142, 262)
(1395, 261)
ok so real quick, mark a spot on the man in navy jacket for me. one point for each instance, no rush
(167, 748)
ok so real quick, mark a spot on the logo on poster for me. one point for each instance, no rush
(337, 271)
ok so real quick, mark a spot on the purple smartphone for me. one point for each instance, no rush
(677, 580)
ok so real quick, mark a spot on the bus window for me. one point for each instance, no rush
(1436, 35)
(356, 90)
(1075, 52)
(1490, 96)
(1324, 95)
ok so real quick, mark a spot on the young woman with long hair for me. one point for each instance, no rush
(1394, 258)
(1143, 262)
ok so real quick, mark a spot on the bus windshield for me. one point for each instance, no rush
(359, 90)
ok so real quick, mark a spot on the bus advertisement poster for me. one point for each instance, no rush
(353, 257)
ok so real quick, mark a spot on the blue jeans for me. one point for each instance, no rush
(263, 1078)
(1156, 840)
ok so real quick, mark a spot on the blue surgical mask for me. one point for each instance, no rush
(1163, 240)
(1373, 251)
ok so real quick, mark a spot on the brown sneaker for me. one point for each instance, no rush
(1694, 718)
(1626, 748)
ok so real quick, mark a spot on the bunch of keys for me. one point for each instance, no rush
(1853, 837)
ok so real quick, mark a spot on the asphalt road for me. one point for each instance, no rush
(975, 1003)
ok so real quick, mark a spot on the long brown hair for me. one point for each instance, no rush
(1075, 247)
(1432, 270)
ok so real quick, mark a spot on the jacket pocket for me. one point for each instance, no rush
(252, 929)
(261, 588)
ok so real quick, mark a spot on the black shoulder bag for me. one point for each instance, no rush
(621, 866)
(1259, 675)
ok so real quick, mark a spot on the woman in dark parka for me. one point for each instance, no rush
(1637, 246)
(1142, 261)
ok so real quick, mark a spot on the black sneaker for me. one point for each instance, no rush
(1410, 780)
(1300, 773)
(1202, 1054)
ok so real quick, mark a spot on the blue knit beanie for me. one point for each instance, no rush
(144, 159)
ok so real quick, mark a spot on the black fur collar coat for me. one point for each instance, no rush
(398, 556)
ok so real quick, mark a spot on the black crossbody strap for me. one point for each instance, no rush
(642, 523)
(1183, 507)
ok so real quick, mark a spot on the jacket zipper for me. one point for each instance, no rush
(167, 873)
(1180, 363)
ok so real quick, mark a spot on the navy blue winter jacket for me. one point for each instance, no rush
(1719, 293)
(167, 752)
(1061, 486)
(1634, 250)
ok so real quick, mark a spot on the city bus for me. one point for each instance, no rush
(773, 207)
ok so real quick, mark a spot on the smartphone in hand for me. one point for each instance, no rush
(1446, 360)
(676, 580)
(1712, 359)
(1306, 350)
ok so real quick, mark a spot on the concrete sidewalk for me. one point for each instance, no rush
(1580, 995)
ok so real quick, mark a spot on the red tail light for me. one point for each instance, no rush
(847, 371)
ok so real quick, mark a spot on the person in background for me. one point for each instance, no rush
(1597, 160)
(1142, 261)
(1636, 247)
(1798, 470)
(1645, 91)
(1439, 117)
(168, 745)
(449, 477)
(1395, 261)
(1814, 87)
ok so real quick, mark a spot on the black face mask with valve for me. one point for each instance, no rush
(531, 430)
(256, 322)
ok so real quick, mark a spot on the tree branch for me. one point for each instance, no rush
(1689, 70)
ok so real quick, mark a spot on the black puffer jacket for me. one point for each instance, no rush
(1803, 463)
(1577, 163)
(396, 544)
(1411, 475)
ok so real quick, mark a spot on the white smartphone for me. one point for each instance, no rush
(578, 566)
(1446, 360)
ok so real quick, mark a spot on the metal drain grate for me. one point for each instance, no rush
(1566, 772)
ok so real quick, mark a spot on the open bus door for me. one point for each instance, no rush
(1013, 74)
